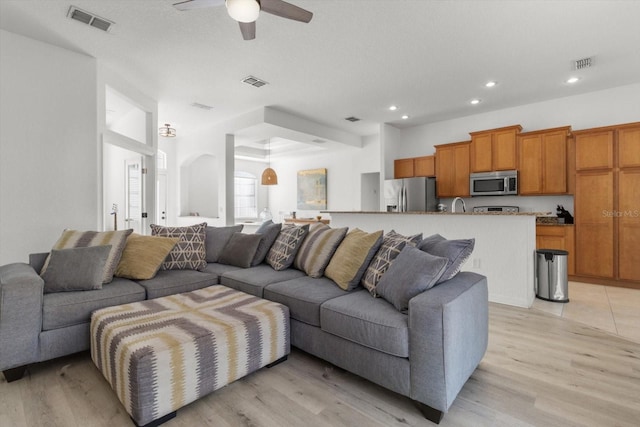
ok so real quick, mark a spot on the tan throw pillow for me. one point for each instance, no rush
(190, 252)
(143, 256)
(352, 258)
(82, 239)
(317, 249)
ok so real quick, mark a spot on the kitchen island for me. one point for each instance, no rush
(504, 249)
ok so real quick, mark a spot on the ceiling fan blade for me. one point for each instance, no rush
(197, 4)
(248, 30)
(285, 10)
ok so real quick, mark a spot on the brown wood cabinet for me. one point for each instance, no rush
(452, 169)
(424, 166)
(495, 149)
(415, 166)
(403, 168)
(543, 161)
(607, 204)
(558, 237)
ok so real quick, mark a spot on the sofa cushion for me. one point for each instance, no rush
(352, 258)
(392, 244)
(169, 282)
(240, 250)
(412, 273)
(143, 256)
(371, 322)
(456, 251)
(219, 269)
(317, 248)
(269, 232)
(64, 309)
(82, 239)
(304, 296)
(216, 238)
(253, 280)
(189, 253)
(285, 248)
(75, 269)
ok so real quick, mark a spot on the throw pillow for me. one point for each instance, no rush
(352, 258)
(269, 232)
(412, 273)
(392, 244)
(216, 238)
(189, 253)
(285, 248)
(240, 250)
(456, 251)
(75, 269)
(143, 256)
(317, 249)
(82, 239)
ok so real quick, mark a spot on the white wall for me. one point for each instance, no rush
(601, 108)
(48, 145)
(344, 169)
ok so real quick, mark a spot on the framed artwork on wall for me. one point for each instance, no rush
(312, 189)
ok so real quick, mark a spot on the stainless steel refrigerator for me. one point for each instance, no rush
(410, 195)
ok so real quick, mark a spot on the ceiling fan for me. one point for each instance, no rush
(246, 11)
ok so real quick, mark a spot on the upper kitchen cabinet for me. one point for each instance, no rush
(495, 149)
(594, 150)
(452, 169)
(543, 161)
(416, 166)
(425, 166)
(403, 168)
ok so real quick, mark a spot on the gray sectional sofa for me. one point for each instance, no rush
(426, 354)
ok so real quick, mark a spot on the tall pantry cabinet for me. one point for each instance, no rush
(607, 203)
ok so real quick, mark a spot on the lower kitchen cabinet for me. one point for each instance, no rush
(558, 237)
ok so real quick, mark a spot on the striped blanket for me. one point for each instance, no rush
(161, 354)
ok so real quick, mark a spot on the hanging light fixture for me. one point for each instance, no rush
(243, 10)
(167, 131)
(269, 176)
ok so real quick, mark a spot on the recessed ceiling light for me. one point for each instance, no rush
(393, 108)
(475, 101)
(491, 83)
(405, 117)
(572, 80)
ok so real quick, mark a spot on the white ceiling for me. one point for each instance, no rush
(355, 58)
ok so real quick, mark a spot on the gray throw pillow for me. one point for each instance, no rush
(240, 250)
(216, 239)
(457, 252)
(269, 232)
(410, 274)
(75, 269)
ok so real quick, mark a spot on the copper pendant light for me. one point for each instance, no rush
(269, 176)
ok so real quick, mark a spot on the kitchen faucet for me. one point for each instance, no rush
(453, 205)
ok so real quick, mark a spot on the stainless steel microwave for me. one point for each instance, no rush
(501, 183)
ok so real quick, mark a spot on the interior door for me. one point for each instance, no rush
(161, 199)
(133, 194)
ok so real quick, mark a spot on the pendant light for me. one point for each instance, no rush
(167, 131)
(269, 176)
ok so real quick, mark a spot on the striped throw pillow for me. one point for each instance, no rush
(82, 239)
(318, 248)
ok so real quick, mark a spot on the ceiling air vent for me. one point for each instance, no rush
(583, 63)
(254, 81)
(89, 19)
(202, 106)
(352, 119)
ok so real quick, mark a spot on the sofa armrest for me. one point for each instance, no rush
(448, 335)
(21, 291)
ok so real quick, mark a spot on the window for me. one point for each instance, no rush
(246, 200)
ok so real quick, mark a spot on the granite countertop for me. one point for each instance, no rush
(441, 213)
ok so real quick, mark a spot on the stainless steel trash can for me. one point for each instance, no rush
(552, 283)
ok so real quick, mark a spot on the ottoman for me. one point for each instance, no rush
(161, 354)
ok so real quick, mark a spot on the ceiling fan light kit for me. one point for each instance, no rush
(243, 10)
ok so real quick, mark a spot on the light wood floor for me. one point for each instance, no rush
(539, 370)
